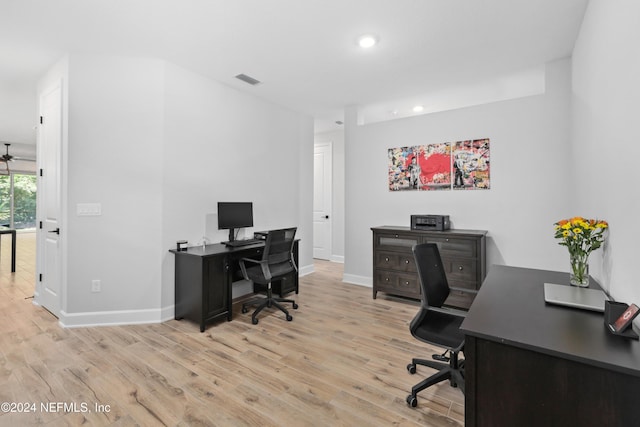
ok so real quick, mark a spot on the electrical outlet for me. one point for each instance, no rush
(95, 286)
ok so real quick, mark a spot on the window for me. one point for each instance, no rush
(18, 200)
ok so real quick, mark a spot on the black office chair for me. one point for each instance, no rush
(435, 325)
(277, 262)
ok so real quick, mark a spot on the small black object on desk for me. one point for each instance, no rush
(615, 323)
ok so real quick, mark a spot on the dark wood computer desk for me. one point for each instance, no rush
(203, 279)
(528, 363)
(12, 231)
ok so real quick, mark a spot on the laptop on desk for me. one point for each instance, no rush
(573, 296)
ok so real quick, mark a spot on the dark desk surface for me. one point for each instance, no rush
(510, 309)
(216, 249)
(7, 230)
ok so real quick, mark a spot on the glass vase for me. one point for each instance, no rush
(579, 274)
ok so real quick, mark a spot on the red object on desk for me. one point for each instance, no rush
(626, 318)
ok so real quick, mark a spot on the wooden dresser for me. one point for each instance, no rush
(463, 254)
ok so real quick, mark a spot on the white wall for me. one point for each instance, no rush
(606, 125)
(529, 151)
(224, 145)
(336, 138)
(114, 158)
(158, 146)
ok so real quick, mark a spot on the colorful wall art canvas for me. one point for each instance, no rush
(441, 166)
(470, 162)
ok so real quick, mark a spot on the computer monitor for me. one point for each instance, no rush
(232, 215)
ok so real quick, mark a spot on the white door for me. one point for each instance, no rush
(322, 201)
(49, 196)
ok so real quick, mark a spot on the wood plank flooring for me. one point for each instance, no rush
(340, 362)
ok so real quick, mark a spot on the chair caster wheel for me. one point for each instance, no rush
(295, 306)
(412, 401)
(244, 310)
(289, 318)
(254, 321)
(411, 368)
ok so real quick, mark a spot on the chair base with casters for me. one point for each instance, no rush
(269, 301)
(277, 263)
(452, 371)
(435, 324)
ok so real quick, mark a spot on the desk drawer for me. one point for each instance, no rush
(396, 241)
(253, 253)
(454, 246)
(460, 268)
(398, 283)
(396, 261)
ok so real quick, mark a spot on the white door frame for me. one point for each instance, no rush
(322, 221)
(50, 284)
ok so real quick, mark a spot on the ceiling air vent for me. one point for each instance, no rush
(248, 79)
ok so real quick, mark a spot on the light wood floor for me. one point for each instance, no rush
(340, 362)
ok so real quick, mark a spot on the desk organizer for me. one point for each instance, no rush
(613, 310)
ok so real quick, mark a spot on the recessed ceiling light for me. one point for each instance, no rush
(418, 109)
(367, 41)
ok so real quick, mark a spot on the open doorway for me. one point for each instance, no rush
(18, 201)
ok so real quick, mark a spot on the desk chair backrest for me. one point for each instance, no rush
(278, 251)
(433, 280)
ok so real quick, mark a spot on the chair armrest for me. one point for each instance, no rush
(265, 268)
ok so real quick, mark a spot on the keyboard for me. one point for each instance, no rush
(242, 242)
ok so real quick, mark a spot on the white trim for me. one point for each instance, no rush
(303, 271)
(115, 318)
(358, 280)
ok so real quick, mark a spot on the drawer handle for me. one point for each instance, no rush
(460, 268)
(386, 279)
(396, 236)
(446, 240)
(406, 283)
(406, 261)
(386, 259)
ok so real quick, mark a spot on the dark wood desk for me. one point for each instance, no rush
(12, 231)
(528, 363)
(203, 279)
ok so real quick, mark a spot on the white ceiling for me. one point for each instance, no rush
(303, 51)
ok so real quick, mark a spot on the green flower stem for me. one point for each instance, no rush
(580, 267)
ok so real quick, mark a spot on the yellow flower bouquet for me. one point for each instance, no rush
(581, 237)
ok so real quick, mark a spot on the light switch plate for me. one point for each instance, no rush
(89, 209)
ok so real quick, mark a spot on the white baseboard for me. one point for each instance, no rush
(358, 280)
(137, 317)
(114, 318)
(307, 269)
